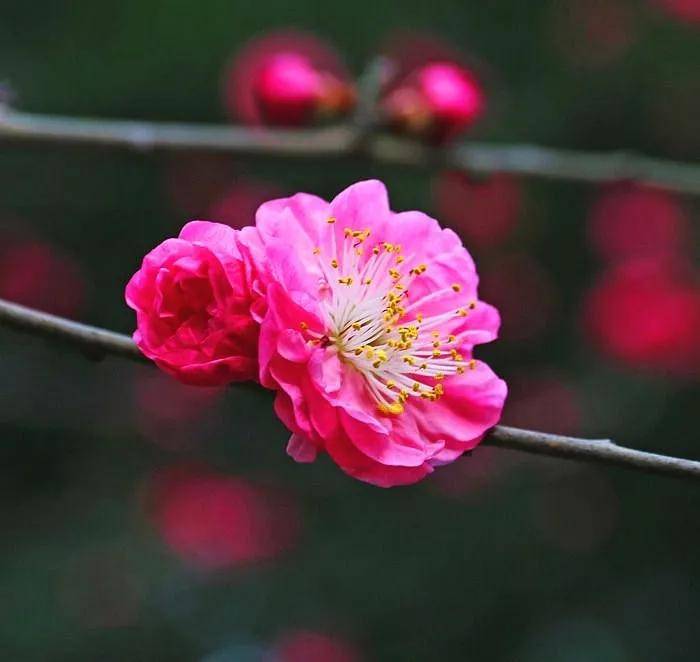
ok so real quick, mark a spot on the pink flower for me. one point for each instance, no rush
(192, 305)
(684, 10)
(287, 78)
(369, 334)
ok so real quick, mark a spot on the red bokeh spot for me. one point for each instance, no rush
(213, 521)
(37, 274)
(594, 32)
(684, 10)
(630, 221)
(308, 646)
(543, 401)
(237, 205)
(484, 213)
(646, 314)
(524, 293)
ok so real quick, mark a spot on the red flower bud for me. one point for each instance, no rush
(287, 79)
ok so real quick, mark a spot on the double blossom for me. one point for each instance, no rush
(367, 324)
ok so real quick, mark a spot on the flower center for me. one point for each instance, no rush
(380, 332)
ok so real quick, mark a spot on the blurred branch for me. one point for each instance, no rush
(355, 139)
(97, 343)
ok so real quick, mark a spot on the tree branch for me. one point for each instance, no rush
(98, 343)
(354, 139)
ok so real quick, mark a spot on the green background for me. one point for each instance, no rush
(405, 574)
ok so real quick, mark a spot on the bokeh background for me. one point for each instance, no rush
(144, 520)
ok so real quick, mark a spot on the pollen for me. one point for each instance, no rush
(393, 408)
(334, 263)
(317, 250)
(347, 280)
(330, 220)
(456, 287)
(304, 326)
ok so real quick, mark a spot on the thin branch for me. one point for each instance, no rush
(98, 343)
(351, 140)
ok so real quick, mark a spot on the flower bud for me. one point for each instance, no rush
(287, 79)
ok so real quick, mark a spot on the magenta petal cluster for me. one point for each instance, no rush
(193, 303)
(372, 319)
(367, 322)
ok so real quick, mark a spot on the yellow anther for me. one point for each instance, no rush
(394, 273)
(436, 343)
(452, 338)
(393, 408)
(347, 280)
(358, 251)
(472, 364)
(456, 287)
(357, 326)
(460, 369)
(369, 352)
(419, 317)
(304, 326)
(416, 387)
(390, 383)
(439, 376)
(347, 232)
(400, 259)
(381, 355)
(376, 250)
(317, 250)
(368, 281)
(389, 247)
(436, 353)
(472, 305)
(461, 312)
(334, 263)
(409, 360)
(330, 220)
(403, 396)
(435, 334)
(358, 351)
(423, 366)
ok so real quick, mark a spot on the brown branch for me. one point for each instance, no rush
(354, 139)
(98, 343)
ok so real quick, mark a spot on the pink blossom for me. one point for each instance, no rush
(310, 646)
(192, 305)
(684, 10)
(369, 335)
(287, 78)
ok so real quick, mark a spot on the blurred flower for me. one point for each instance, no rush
(194, 181)
(239, 202)
(685, 10)
(483, 212)
(646, 314)
(309, 646)
(524, 293)
(213, 521)
(431, 91)
(594, 32)
(631, 221)
(39, 275)
(193, 307)
(172, 414)
(287, 78)
(383, 382)
(540, 400)
(577, 514)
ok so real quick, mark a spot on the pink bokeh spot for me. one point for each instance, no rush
(369, 335)
(237, 204)
(646, 314)
(37, 274)
(632, 221)
(485, 213)
(311, 646)
(684, 10)
(213, 521)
